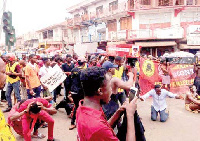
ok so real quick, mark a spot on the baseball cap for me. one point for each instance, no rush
(107, 65)
(82, 59)
(11, 57)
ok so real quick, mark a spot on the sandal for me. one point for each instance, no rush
(39, 136)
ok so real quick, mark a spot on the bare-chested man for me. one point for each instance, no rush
(166, 76)
(116, 83)
(192, 102)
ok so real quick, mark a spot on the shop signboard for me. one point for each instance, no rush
(128, 50)
(193, 35)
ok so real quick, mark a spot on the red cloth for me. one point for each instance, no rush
(29, 120)
(17, 124)
(92, 125)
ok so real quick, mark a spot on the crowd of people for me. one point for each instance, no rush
(96, 89)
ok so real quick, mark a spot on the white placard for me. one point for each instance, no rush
(54, 78)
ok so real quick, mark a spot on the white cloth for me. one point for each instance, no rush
(166, 79)
(159, 102)
(44, 70)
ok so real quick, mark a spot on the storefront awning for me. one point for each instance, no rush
(185, 46)
(156, 44)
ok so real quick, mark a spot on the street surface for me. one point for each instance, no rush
(181, 125)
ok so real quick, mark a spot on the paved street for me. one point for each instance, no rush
(181, 125)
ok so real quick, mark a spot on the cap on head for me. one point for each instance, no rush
(11, 57)
(107, 65)
(118, 58)
(81, 59)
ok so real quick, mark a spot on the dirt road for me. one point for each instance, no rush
(181, 125)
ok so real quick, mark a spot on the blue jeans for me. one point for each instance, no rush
(10, 87)
(163, 116)
(37, 92)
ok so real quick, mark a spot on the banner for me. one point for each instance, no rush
(54, 78)
(149, 75)
(181, 76)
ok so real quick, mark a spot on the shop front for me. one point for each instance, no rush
(156, 48)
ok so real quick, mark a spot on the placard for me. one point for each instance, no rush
(54, 78)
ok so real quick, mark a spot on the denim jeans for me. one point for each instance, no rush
(37, 92)
(163, 116)
(10, 87)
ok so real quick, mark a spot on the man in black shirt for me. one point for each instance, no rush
(67, 68)
(76, 88)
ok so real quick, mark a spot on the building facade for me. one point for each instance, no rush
(155, 25)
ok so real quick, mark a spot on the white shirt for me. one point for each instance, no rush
(44, 70)
(159, 102)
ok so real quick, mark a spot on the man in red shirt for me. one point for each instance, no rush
(39, 109)
(91, 121)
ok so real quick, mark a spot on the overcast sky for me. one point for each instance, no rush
(30, 15)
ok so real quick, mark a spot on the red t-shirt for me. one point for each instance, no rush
(24, 105)
(92, 125)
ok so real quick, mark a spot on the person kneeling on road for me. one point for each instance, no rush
(159, 102)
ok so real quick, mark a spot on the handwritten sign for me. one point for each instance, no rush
(54, 78)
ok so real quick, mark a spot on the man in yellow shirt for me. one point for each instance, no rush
(13, 71)
(5, 132)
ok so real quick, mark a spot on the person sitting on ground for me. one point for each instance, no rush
(159, 102)
(192, 103)
(91, 122)
(39, 109)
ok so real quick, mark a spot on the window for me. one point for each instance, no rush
(126, 23)
(145, 2)
(50, 33)
(99, 10)
(179, 2)
(113, 5)
(165, 3)
(192, 2)
(44, 34)
(65, 33)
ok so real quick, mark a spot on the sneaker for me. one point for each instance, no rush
(7, 110)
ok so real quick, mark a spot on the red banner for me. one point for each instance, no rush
(181, 76)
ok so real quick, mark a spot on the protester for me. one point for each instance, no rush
(22, 79)
(33, 84)
(13, 71)
(159, 102)
(91, 122)
(67, 68)
(15, 121)
(39, 109)
(5, 132)
(166, 76)
(76, 89)
(116, 83)
(197, 78)
(44, 70)
(192, 102)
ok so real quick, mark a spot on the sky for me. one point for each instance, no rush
(32, 15)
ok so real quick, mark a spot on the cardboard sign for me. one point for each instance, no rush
(54, 78)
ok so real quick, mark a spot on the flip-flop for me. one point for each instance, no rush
(39, 136)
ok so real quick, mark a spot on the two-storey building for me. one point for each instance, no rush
(155, 25)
